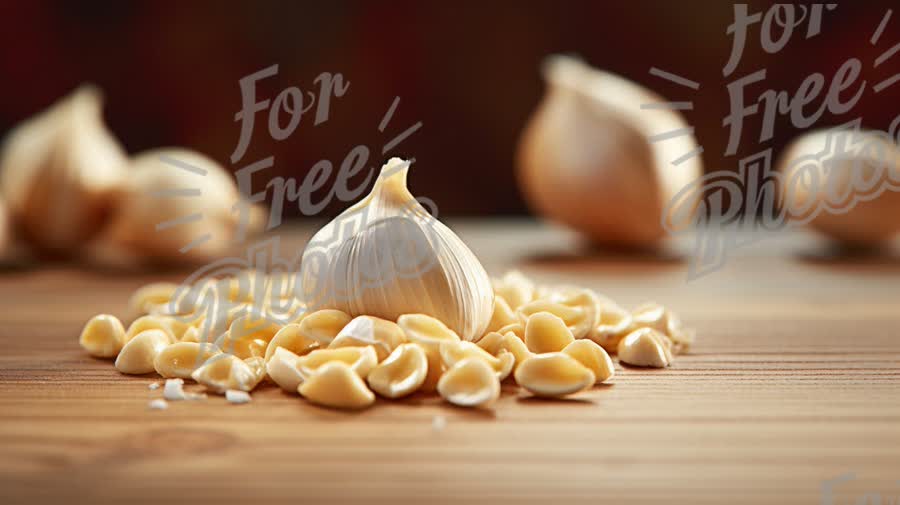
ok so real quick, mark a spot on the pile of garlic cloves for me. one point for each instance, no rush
(388, 302)
(68, 189)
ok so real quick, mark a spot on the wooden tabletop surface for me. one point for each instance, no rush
(791, 395)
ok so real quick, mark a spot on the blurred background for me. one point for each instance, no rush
(468, 70)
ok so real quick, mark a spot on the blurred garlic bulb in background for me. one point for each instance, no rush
(57, 171)
(586, 158)
(840, 183)
(387, 256)
(4, 229)
(177, 205)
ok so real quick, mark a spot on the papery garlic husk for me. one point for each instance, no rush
(387, 256)
(58, 170)
(145, 226)
(586, 159)
(861, 214)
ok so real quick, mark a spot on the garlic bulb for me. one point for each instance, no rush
(850, 195)
(57, 172)
(177, 205)
(387, 256)
(587, 159)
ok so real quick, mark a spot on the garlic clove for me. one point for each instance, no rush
(553, 375)
(360, 359)
(381, 334)
(587, 153)
(387, 256)
(428, 333)
(844, 194)
(149, 226)
(517, 329)
(103, 336)
(471, 382)
(614, 324)
(138, 354)
(592, 356)
(663, 320)
(516, 346)
(454, 352)
(283, 368)
(503, 315)
(401, 374)
(226, 371)
(336, 385)
(291, 337)
(149, 323)
(179, 360)
(59, 170)
(514, 288)
(323, 326)
(645, 347)
(147, 297)
(545, 332)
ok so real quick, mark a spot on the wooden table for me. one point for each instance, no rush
(795, 380)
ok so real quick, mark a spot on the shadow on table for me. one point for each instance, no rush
(839, 257)
(599, 258)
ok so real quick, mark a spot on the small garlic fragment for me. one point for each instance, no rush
(138, 354)
(454, 352)
(553, 375)
(157, 404)
(503, 315)
(335, 384)
(387, 256)
(545, 332)
(226, 371)
(237, 397)
(103, 336)
(514, 288)
(292, 338)
(144, 323)
(182, 358)
(381, 334)
(283, 368)
(323, 326)
(401, 374)
(360, 359)
(174, 390)
(470, 382)
(645, 347)
(428, 333)
(661, 319)
(592, 356)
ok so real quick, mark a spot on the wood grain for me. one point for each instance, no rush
(795, 379)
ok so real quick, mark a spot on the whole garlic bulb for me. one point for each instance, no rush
(852, 190)
(586, 158)
(387, 256)
(58, 169)
(176, 206)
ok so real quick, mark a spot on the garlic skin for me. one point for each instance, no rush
(585, 159)
(58, 171)
(387, 256)
(863, 223)
(133, 235)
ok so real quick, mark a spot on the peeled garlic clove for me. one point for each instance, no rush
(592, 356)
(470, 382)
(103, 336)
(401, 374)
(661, 319)
(428, 333)
(383, 335)
(283, 368)
(545, 332)
(146, 298)
(645, 347)
(517, 329)
(149, 323)
(613, 326)
(491, 342)
(454, 352)
(587, 153)
(59, 170)
(514, 288)
(578, 307)
(553, 374)
(516, 346)
(149, 226)
(138, 354)
(291, 337)
(503, 315)
(387, 256)
(834, 190)
(179, 360)
(323, 326)
(226, 371)
(360, 359)
(335, 384)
